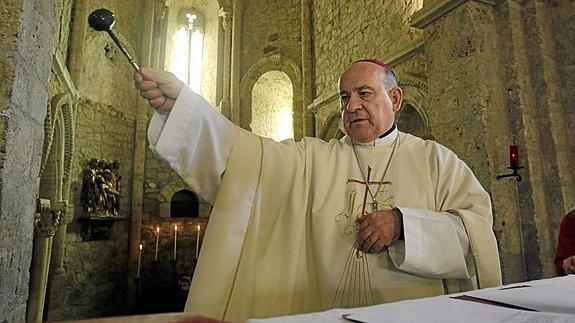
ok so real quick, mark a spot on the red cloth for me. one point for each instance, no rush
(566, 241)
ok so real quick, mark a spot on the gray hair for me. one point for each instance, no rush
(389, 79)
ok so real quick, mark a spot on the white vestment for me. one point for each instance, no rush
(281, 235)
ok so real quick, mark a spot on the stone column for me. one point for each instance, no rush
(26, 51)
(539, 117)
(227, 20)
(140, 144)
(467, 107)
(46, 224)
(236, 62)
(307, 67)
(559, 124)
(59, 240)
(77, 40)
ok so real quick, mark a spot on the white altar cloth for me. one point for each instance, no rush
(551, 300)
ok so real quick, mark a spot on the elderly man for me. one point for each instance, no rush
(375, 217)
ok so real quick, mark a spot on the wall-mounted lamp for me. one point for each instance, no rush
(513, 164)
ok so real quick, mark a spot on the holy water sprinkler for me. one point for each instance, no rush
(103, 20)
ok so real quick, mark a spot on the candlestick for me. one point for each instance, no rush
(157, 240)
(513, 156)
(198, 242)
(175, 240)
(139, 262)
(513, 164)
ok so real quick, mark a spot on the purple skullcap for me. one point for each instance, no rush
(374, 61)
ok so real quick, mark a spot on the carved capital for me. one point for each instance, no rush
(227, 17)
(433, 10)
(47, 218)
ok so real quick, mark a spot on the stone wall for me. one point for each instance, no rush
(345, 31)
(91, 287)
(563, 25)
(270, 29)
(94, 282)
(105, 75)
(494, 80)
(25, 56)
(468, 114)
(539, 118)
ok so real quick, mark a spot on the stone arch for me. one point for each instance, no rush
(272, 106)
(331, 128)
(51, 179)
(170, 189)
(413, 116)
(278, 62)
(56, 166)
(59, 134)
(166, 194)
(184, 203)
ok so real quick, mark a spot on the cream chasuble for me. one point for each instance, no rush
(282, 238)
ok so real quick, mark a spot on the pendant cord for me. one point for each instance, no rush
(357, 159)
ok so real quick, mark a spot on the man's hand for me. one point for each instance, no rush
(378, 230)
(160, 88)
(569, 265)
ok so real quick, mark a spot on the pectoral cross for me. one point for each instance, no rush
(374, 205)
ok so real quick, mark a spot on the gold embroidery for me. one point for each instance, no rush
(354, 285)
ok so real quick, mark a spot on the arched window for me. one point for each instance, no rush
(184, 204)
(272, 102)
(187, 62)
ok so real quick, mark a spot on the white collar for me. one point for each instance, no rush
(388, 140)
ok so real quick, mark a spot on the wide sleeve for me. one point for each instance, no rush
(438, 241)
(435, 245)
(195, 140)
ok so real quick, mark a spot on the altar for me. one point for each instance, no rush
(546, 300)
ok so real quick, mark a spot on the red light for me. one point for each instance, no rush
(513, 156)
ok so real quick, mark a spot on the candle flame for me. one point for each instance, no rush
(198, 227)
(158, 229)
(140, 246)
(175, 227)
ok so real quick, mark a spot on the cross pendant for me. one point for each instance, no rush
(374, 206)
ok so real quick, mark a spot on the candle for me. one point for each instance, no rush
(139, 262)
(198, 242)
(157, 240)
(175, 240)
(513, 156)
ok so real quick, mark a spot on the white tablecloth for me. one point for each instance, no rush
(553, 300)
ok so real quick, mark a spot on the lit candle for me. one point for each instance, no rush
(513, 156)
(198, 242)
(157, 240)
(139, 262)
(175, 239)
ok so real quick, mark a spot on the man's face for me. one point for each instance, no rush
(368, 108)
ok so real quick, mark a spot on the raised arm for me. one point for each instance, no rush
(186, 131)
